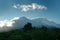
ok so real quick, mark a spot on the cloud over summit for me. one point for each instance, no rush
(28, 7)
(8, 23)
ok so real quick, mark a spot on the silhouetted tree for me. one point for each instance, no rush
(28, 26)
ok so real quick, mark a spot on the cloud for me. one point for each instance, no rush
(7, 25)
(14, 6)
(28, 7)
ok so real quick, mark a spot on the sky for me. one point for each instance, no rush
(49, 9)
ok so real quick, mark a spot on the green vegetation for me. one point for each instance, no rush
(31, 33)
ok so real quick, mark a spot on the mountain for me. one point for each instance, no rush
(20, 22)
(38, 22)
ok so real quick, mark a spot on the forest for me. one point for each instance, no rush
(31, 33)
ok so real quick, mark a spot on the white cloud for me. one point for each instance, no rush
(28, 7)
(2, 23)
(6, 25)
(14, 6)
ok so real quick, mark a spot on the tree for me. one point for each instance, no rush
(28, 26)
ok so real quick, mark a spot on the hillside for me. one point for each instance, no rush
(31, 33)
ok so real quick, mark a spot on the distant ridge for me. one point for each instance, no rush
(38, 22)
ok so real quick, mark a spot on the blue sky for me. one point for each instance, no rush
(51, 13)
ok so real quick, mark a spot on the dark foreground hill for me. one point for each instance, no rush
(31, 33)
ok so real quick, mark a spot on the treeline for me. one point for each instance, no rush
(32, 33)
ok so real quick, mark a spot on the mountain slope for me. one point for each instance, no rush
(35, 22)
(38, 22)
